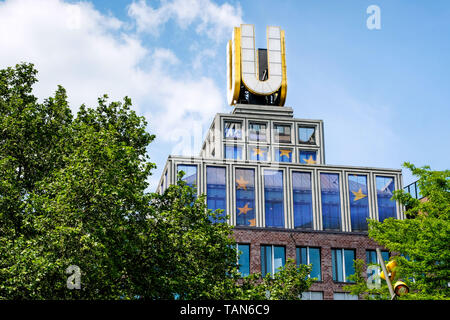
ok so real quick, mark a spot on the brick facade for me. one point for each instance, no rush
(291, 239)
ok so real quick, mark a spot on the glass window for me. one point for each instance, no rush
(372, 257)
(331, 201)
(190, 174)
(243, 251)
(232, 130)
(312, 295)
(258, 153)
(307, 135)
(166, 181)
(245, 197)
(233, 152)
(257, 131)
(307, 157)
(216, 193)
(359, 202)
(344, 296)
(386, 206)
(274, 198)
(283, 154)
(282, 133)
(307, 255)
(272, 258)
(342, 263)
(302, 194)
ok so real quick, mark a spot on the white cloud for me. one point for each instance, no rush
(216, 21)
(72, 45)
(90, 53)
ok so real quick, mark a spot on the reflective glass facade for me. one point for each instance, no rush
(283, 154)
(307, 135)
(372, 258)
(330, 201)
(232, 130)
(302, 199)
(282, 133)
(245, 197)
(274, 198)
(257, 131)
(307, 255)
(342, 264)
(307, 157)
(272, 258)
(216, 193)
(359, 201)
(385, 188)
(258, 153)
(233, 152)
(243, 251)
(190, 173)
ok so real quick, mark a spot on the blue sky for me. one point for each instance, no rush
(383, 94)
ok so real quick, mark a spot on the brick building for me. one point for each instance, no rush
(267, 171)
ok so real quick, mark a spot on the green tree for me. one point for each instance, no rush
(72, 192)
(288, 283)
(421, 242)
(359, 286)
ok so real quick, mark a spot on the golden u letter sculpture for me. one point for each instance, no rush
(256, 76)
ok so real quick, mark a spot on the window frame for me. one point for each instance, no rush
(250, 148)
(309, 126)
(276, 148)
(238, 256)
(347, 197)
(346, 294)
(396, 187)
(263, 197)
(275, 135)
(309, 295)
(273, 271)
(256, 191)
(300, 149)
(334, 267)
(205, 185)
(229, 144)
(196, 171)
(260, 122)
(341, 200)
(313, 198)
(298, 249)
(233, 120)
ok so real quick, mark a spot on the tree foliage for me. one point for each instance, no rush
(287, 284)
(73, 192)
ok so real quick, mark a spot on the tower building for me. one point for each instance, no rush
(267, 171)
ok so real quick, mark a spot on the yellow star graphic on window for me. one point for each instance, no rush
(244, 209)
(252, 222)
(310, 160)
(259, 151)
(358, 195)
(242, 183)
(285, 152)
